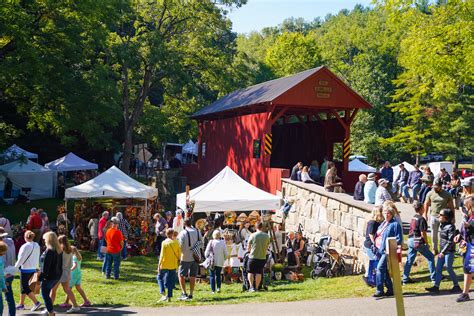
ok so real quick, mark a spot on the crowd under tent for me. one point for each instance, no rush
(28, 174)
(71, 162)
(358, 166)
(15, 152)
(228, 191)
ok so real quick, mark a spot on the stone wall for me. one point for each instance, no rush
(326, 213)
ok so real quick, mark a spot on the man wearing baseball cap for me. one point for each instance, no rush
(437, 200)
(382, 194)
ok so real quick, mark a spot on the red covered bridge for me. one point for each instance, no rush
(263, 130)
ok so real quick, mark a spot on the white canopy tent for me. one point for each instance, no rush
(190, 148)
(112, 183)
(357, 157)
(28, 174)
(358, 166)
(396, 169)
(228, 191)
(15, 152)
(71, 162)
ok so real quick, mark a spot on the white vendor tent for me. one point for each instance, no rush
(71, 162)
(190, 148)
(112, 183)
(228, 191)
(28, 174)
(437, 166)
(358, 166)
(396, 169)
(15, 152)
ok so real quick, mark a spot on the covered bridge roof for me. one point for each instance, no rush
(316, 88)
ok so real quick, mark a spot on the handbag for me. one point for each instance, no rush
(34, 283)
(196, 248)
(209, 262)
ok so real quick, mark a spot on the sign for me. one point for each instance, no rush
(323, 91)
(268, 143)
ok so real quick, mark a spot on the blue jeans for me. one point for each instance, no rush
(46, 287)
(104, 264)
(411, 255)
(115, 259)
(370, 254)
(166, 278)
(9, 297)
(124, 250)
(448, 260)
(100, 254)
(382, 277)
(215, 278)
(414, 192)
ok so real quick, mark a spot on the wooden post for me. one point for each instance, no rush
(394, 268)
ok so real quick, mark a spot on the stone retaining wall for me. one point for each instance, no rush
(326, 213)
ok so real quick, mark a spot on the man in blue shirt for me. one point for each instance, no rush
(414, 183)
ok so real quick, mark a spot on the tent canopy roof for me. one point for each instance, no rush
(70, 162)
(19, 166)
(16, 151)
(357, 165)
(396, 169)
(112, 183)
(228, 191)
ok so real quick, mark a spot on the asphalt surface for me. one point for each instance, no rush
(416, 304)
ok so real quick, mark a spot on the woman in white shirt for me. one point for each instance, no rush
(28, 263)
(218, 249)
(305, 175)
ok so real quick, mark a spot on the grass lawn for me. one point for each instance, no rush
(17, 213)
(138, 287)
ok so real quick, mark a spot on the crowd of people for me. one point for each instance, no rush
(384, 225)
(325, 175)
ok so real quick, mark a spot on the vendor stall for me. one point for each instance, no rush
(70, 162)
(114, 191)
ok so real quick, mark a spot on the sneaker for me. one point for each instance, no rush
(20, 307)
(65, 305)
(407, 281)
(36, 306)
(183, 297)
(389, 294)
(463, 298)
(213, 292)
(189, 298)
(218, 290)
(86, 304)
(164, 298)
(378, 294)
(433, 289)
(251, 290)
(456, 289)
(73, 310)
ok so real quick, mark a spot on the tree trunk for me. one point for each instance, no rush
(127, 148)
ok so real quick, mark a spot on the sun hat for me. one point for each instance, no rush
(371, 176)
(383, 181)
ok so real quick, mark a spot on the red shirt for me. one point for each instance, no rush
(102, 223)
(113, 238)
(35, 222)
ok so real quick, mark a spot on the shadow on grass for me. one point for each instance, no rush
(116, 310)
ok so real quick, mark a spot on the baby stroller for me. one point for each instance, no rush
(327, 262)
(245, 281)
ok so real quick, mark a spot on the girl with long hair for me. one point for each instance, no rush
(51, 269)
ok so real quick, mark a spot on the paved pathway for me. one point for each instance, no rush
(414, 305)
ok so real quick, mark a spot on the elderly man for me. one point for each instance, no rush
(359, 188)
(382, 194)
(370, 188)
(101, 234)
(437, 200)
(115, 241)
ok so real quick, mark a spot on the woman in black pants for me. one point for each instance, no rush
(51, 268)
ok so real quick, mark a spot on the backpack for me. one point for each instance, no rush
(198, 254)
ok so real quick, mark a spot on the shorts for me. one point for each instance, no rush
(75, 280)
(24, 280)
(256, 266)
(188, 268)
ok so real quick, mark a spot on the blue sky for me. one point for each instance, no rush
(257, 14)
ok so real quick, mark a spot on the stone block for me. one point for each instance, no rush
(361, 224)
(344, 207)
(358, 240)
(341, 236)
(349, 238)
(330, 215)
(333, 231)
(324, 201)
(322, 214)
(317, 198)
(334, 204)
(337, 218)
(324, 227)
